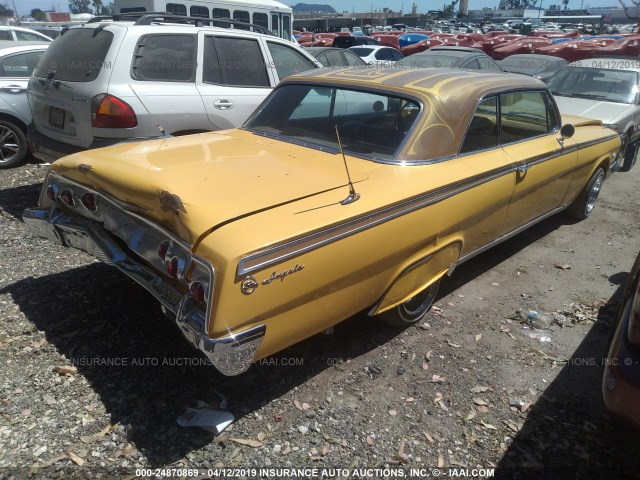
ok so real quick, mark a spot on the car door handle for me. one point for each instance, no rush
(223, 104)
(522, 169)
(13, 88)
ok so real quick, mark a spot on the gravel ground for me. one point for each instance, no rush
(93, 377)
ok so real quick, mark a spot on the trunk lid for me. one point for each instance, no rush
(210, 178)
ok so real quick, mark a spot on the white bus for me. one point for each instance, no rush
(269, 14)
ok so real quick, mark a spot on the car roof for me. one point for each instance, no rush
(609, 63)
(449, 98)
(372, 47)
(453, 48)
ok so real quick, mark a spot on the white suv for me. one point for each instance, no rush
(108, 81)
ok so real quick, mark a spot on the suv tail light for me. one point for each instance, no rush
(633, 334)
(108, 111)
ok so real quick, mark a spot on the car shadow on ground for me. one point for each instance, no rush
(146, 375)
(569, 433)
(14, 200)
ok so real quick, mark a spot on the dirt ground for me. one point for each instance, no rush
(93, 377)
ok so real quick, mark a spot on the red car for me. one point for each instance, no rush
(524, 45)
(625, 47)
(421, 46)
(621, 381)
(575, 50)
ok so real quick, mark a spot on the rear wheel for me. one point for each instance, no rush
(13, 145)
(586, 201)
(413, 310)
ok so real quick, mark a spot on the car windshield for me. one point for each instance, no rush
(619, 86)
(371, 125)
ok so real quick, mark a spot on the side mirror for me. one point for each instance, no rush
(567, 131)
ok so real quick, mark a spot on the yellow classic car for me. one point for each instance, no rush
(348, 190)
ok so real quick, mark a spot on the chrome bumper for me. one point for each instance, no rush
(231, 355)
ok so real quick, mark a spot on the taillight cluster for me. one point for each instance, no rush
(108, 111)
(66, 197)
(176, 268)
(175, 264)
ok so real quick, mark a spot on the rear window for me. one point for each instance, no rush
(74, 64)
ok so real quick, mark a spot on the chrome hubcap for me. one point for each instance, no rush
(8, 145)
(418, 304)
(595, 191)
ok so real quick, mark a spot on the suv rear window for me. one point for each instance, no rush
(74, 64)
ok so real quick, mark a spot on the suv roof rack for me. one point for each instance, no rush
(149, 18)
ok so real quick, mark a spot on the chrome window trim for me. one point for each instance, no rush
(252, 263)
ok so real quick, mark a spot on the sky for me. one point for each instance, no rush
(24, 6)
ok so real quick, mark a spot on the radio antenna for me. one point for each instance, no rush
(162, 130)
(353, 196)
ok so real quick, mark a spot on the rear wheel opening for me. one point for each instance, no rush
(413, 310)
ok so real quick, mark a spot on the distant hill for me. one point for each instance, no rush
(312, 7)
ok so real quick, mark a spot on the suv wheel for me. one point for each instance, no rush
(13, 145)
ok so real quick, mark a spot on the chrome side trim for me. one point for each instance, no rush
(231, 354)
(506, 236)
(279, 253)
(595, 142)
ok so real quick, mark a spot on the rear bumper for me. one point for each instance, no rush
(621, 380)
(231, 354)
(49, 150)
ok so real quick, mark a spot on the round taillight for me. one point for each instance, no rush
(52, 192)
(164, 250)
(89, 202)
(67, 197)
(198, 290)
(175, 267)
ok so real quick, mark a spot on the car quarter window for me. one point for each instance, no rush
(28, 37)
(19, 65)
(483, 128)
(370, 124)
(288, 61)
(331, 58)
(165, 58)
(234, 61)
(524, 115)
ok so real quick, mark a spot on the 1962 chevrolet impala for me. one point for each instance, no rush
(348, 189)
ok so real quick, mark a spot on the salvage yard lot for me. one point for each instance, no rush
(93, 377)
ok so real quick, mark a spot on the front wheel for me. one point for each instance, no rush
(413, 310)
(586, 201)
(13, 145)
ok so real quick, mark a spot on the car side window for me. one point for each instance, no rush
(165, 58)
(234, 61)
(333, 59)
(383, 54)
(288, 61)
(20, 65)
(396, 55)
(483, 129)
(473, 64)
(353, 60)
(220, 13)
(5, 35)
(523, 115)
(28, 37)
